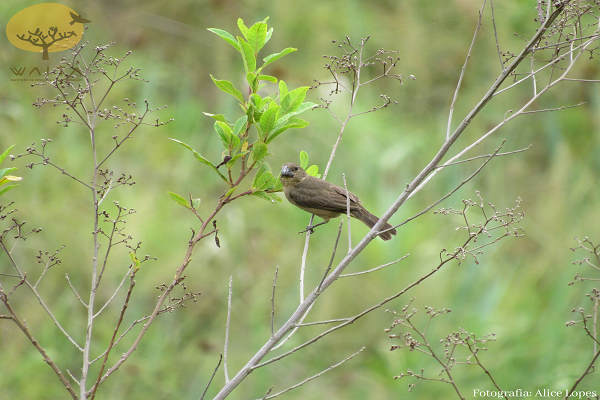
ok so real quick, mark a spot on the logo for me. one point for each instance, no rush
(45, 28)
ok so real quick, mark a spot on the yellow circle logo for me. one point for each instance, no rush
(44, 28)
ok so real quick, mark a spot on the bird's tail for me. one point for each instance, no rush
(370, 220)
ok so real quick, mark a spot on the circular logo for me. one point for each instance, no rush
(45, 28)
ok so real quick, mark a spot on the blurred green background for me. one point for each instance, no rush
(518, 290)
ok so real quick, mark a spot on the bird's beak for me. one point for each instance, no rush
(286, 171)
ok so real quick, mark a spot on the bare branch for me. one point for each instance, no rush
(462, 72)
(273, 299)
(212, 377)
(314, 376)
(227, 331)
(374, 269)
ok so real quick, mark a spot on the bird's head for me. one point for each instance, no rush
(292, 173)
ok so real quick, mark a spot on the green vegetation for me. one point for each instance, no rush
(517, 290)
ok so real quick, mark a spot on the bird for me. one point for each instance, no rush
(324, 199)
(78, 18)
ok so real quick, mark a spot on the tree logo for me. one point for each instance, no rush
(46, 27)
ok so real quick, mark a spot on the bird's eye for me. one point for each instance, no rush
(295, 168)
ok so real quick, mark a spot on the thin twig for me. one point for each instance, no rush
(496, 35)
(375, 269)
(211, 377)
(227, 331)
(462, 72)
(273, 299)
(456, 188)
(75, 291)
(314, 376)
(116, 330)
(36, 344)
(590, 368)
(329, 321)
(347, 214)
(484, 156)
(337, 239)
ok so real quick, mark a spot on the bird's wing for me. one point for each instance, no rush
(353, 198)
(322, 195)
(73, 15)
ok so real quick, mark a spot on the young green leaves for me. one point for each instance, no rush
(313, 170)
(268, 115)
(4, 178)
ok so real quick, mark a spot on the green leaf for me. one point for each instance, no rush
(218, 117)
(293, 100)
(269, 118)
(266, 181)
(252, 81)
(269, 33)
(196, 203)
(257, 35)
(225, 137)
(228, 88)
(313, 170)
(277, 187)
(230, 191)
(283, 90)
(276, 56)
(240, 124)
(267, 196)
(201, 159)
(230, 140)
(304, 107)
(6, 189)
(6, 171)
(227, 36)
(267, 78)
(178, 199)
(3, 155)
(292, 123)
(243, 28)
(263, 169)
(231, 162)
(248, 56)
(9, 178)
(259, 151)
(303, 159)
(136, 262)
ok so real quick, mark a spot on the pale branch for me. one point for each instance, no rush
(75, 291)
(431, 169)
(114, 293)
(39, 298)
(462, 72)
(35, 343)
(374, 269)
(485, 156)
(337, 239)
(553, 109)
(329, 321)
(347, 215)
(227, 325)
(273, 299)
(496, 35)
(111, 345)
(346, 321)
(489, 158)
(314, 376)
(52, 261)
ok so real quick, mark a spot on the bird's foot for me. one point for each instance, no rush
(308, 229)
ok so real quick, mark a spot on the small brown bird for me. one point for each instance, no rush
(324, 199)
